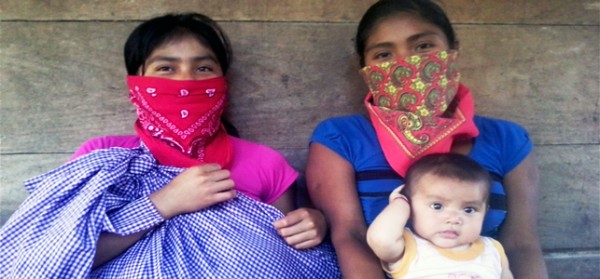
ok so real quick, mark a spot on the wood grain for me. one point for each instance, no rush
(547, 12)
(535, 62)
(65, 81)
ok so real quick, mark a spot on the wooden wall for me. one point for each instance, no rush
(536, 62)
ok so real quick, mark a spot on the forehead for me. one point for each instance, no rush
(401, 26)
(449, 187)
(187, 45)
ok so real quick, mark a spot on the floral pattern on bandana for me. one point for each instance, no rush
(414, 106)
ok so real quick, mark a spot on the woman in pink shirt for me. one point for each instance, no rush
(182, 198)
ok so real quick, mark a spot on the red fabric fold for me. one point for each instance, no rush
(180, 121)
(418, 107)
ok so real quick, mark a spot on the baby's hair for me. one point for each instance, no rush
(427, 10)
(447, 165)
(158, 31)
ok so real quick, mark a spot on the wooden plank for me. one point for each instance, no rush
(584, 12)
(569, 197)
(64, 82)
(227, 10)
(569, 265)
(552, 12)
(545, 78)
(14, 170)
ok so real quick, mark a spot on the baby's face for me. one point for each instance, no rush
(448, 212)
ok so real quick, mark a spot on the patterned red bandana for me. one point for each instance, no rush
(180, 121)
(418, 107)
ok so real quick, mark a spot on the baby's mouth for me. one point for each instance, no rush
(449, 234)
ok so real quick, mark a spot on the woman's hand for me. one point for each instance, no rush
(194, 189)
(302, 228)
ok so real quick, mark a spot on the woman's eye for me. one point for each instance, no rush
(205, 69)
(164, 69)
(424, 47)
(436, 206)
(382, 55)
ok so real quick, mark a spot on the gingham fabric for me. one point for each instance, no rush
(53, 234)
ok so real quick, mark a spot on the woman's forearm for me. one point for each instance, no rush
(355, 258)
(527, 262)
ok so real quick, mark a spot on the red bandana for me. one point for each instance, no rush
(180, 121)
(418, 107)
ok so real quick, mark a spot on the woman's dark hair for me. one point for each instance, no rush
(160, 30)
(447, 165)
(424, 9)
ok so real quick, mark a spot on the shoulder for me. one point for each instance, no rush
(497, 247)
(248, 148)
(259, 156)
(355, 127)
(260, 171)
(343, 123)
(504, 141)
(493, 242)
(498, 127)
(114, 141)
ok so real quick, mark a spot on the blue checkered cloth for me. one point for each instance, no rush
(54, 232)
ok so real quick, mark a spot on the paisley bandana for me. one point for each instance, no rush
(180, 121)
(418, 107)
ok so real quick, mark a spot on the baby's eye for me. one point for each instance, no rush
(436, 206)
(470, 210)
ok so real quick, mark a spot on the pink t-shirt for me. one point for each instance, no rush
(257, 170)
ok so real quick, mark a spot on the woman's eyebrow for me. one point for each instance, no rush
(178, 59)
(204, 57)
(162, 58)
(411, 39)
(418, 36)
(379, 45)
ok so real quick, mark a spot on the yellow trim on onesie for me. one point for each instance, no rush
(471, 253)
(500, 249)
(410, 251)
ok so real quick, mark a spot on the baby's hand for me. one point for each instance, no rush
(396, 194)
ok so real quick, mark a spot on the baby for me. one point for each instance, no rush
(446, 201)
